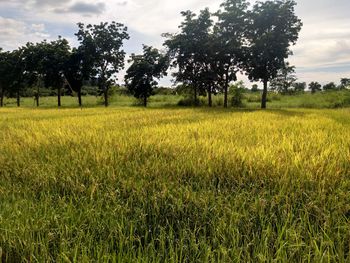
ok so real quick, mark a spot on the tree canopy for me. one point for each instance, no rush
(273, 28)
(104, 43)
(141, 76)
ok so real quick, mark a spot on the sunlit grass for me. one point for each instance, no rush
(153, 185)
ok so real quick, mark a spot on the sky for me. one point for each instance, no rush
(321, 54)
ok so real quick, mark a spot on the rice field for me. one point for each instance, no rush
(174, 185)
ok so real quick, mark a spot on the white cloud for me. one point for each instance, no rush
(15, 33)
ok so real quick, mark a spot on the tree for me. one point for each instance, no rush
(78, 68)
(105, 41)
(191, 54)
(237, 90)
(273, 28)
(255, 88)
(230, 31)
(330, 86)
(299, 86)
(15, 74)
(345, 83)
(54, 58)
(284, 80)
(315, 86)
(141, 76)
(33, 57)
(4, 73)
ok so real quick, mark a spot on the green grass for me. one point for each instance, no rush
(320, 100)
(92, 101)
(174, 185)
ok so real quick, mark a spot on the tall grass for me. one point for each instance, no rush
(174, 185)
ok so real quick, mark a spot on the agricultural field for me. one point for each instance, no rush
(127, 184)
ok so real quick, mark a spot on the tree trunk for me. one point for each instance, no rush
(2, 97)
(37, 96)
(210, 101)
(59, 96)
(264, 95)
(195, 96)
(105, 92)
(145, 101)
(226, 92)
(79, 98)
(18, 99)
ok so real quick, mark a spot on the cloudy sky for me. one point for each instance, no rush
(322, 52)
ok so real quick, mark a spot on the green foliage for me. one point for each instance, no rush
(237, 94)
(284, 80)
(315, 86)
(192, 52)
(273, 28)
(103, 43)
(165, 91)
(299, 87)
(345, 83)
(141, 76)
(255, 88)
(330, 87)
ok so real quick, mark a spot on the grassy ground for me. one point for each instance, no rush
(330, 100)
(174, 185)
(92, 101)
(338, 99)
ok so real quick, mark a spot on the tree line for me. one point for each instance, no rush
(206, 54)
(285, 82)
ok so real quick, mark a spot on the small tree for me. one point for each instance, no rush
(330, 86)
(141, 76)
(299, 86)
(255, 88)
(284, 80)
(272, 29)
(345, 83)
(105, 42)
(237, 93)
(314, 87)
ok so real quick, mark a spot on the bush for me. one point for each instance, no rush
(237, 97)
(164, 91)
(192, 102)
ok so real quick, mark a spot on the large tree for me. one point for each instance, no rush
(273, 28)
(15, 74)
(78, 68)
(141, 77)
(105, 42)
(33, 58)
(229, 32)
(190, 51)
(54, 57)
(4, 75)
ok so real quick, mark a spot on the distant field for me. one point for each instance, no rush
(128, 184)
(251, 100)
